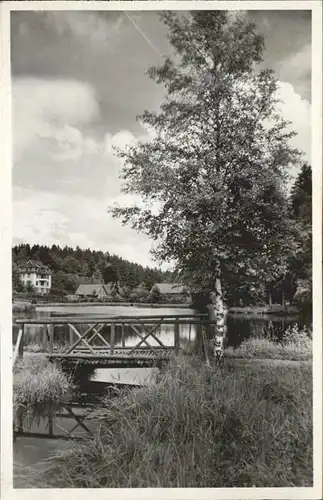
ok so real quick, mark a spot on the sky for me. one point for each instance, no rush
(78, 83)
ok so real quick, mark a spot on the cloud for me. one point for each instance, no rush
(48, 218)
(42, 107)
(88, 27)
(298, 65)
(298, 111)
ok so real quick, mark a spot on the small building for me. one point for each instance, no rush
(174, 292)
(99, 291)
(36, 274)
(72, 297)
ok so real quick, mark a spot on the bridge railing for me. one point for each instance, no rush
(96, 334)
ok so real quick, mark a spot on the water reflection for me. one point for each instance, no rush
(69, 418)
(239, 327)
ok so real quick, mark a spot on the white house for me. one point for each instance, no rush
(37, 274)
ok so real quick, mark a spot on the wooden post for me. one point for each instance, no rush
(71, 336)
(17, 351)
(51, 338)
(123, 340)
(21, 345)
(44, 337)
(112, 338)
(176, 336)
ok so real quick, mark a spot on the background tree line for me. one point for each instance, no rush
(71, 267)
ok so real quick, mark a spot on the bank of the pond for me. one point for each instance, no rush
(269, 309)
(50, 305)
(22, 306)
(230, 426)
(273, 309)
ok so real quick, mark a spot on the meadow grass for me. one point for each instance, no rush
(199, 426)
(295, 345)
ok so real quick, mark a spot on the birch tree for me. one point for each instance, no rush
(211, 180)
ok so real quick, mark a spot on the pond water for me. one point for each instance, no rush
(238, 326)
(31, 451)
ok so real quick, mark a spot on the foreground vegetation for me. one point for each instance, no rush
(36, 381)
(198, 426)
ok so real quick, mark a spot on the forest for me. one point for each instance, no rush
(72, 267)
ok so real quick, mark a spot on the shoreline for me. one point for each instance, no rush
(254, 311)
(111, 304)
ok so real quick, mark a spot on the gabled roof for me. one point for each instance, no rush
(88, 281)
(34, 266)
(90, 289)
(171, 288)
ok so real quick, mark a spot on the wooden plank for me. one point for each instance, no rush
(81, 338)
(112, 338)
(45, 337)
(22, 343)
(16, 352)
(51, 337)
(144, 338)
(103, 357)
(140, 336)
(176, 337)
(103, 319)
(123, 339)
(156, 338)
(71, 335)
(97, 333)
(120, 348)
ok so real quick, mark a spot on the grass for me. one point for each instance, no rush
(265, 309)
(199, 427)
(35, 347)
(296, 345)
(37, 383)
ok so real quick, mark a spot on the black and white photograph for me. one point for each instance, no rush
(162, 179)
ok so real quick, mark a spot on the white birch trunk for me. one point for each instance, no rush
(219, 308)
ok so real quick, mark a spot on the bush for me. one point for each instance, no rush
(199, 427)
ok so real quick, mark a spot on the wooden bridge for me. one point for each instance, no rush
(101, 341)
